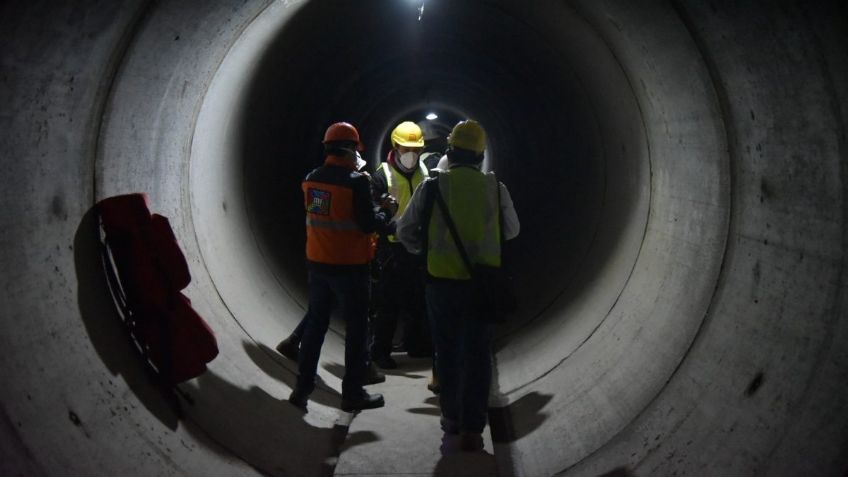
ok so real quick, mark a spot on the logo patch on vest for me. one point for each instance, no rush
(319, 202)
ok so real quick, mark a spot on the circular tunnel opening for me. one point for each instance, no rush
(585, 148)
(547, 138)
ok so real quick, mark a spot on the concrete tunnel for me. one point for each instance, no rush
(679, 169)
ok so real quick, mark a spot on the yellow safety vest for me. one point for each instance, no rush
(401, 188)
(473, 202)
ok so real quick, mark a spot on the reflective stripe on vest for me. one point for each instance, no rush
(331, 224)
(472, 200)
(332, 234)
(401, 188)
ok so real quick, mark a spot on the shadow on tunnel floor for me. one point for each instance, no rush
(106, 330)
(480, 464)
(269, 433)
(432, 410)
(412, 368)
(269, 361)
(506, 430)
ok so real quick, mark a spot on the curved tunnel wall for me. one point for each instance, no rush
(686, 287)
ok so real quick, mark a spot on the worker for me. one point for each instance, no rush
(400, 286)
(340, 220)
(434, 145)
(290, 346)
(483, 214)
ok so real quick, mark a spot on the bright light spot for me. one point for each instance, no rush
(432, 116)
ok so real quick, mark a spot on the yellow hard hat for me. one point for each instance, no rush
(407, 134)
(468, 135)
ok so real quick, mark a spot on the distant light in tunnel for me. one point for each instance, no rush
(420, 8)
(432, 116)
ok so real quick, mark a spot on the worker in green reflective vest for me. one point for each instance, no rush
(400, 289)
(483, 215)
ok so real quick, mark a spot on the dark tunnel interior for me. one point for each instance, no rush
(489, 63)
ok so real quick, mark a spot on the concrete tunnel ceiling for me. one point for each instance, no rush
(679, 170)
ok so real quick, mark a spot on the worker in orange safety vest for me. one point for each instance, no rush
(340, 221)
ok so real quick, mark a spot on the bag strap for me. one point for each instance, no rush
(500, 219)
(452, 227)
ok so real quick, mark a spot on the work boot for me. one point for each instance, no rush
(298, 398)
(362, 400)
(385, 362)
(374, 376)
(471, 442)
(289, 347)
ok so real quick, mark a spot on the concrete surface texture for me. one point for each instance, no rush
(679, 169)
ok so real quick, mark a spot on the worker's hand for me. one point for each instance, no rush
(389, 203)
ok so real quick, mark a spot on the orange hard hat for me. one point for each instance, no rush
(343, 132)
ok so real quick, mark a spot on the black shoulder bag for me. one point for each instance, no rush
(492, 288)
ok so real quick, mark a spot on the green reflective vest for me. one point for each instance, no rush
(401, 188)
(473, 202)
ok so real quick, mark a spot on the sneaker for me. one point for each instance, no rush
(299, 398)
(385, 362)
(289, 347)
(471, 442)
(362, 401)
(374, 376)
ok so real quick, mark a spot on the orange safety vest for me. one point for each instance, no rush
(332, 234)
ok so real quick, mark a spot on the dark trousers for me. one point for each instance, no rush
(400, 288)
(348, 289)
(463, 355)
(298, 330)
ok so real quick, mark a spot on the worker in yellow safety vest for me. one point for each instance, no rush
(400, 288)
(483, 215)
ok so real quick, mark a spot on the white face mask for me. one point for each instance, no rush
(408, 160)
